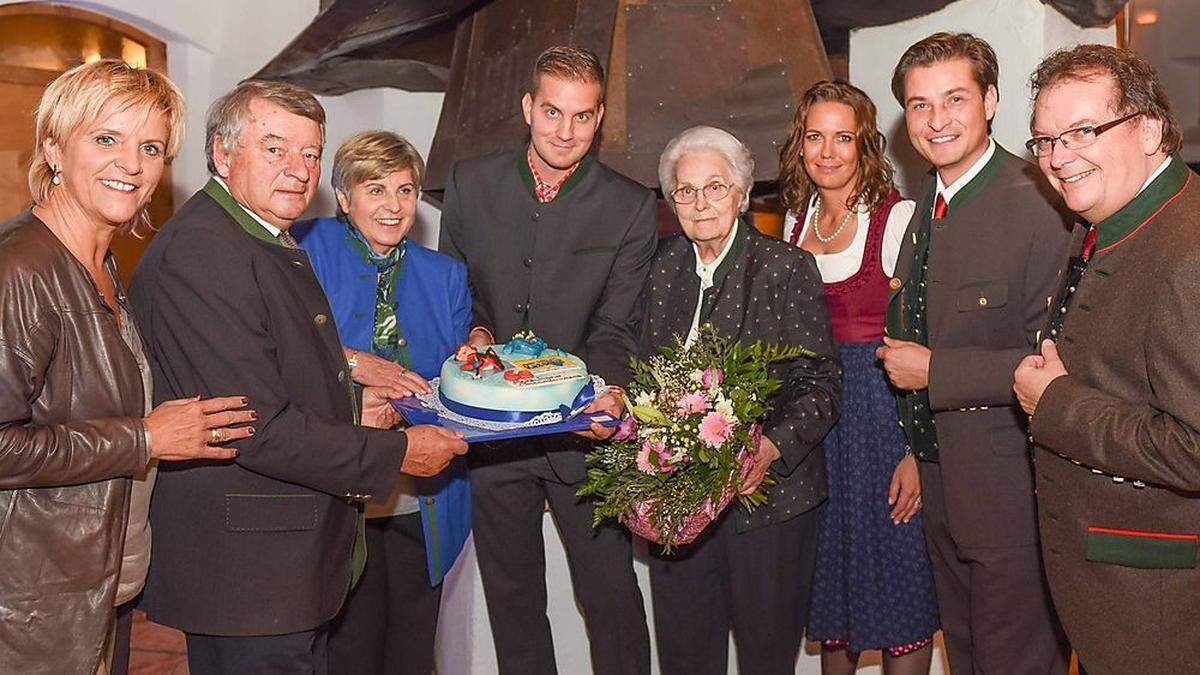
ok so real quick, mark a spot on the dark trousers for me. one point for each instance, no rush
(390, 619)
(124, 633)
(509, 503)
(996, 613)
(756, 584)
(303, 653)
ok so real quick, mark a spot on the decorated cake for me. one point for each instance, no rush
(514, 382)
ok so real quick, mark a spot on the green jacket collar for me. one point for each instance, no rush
(1112, 230)
(252, 227)
(572, 181)
(977, 185)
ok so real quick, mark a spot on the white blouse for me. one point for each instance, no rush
(846, 263)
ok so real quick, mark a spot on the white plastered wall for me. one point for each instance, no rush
(1020, 31)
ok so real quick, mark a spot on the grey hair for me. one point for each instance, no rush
(734, 152)
(228, 113)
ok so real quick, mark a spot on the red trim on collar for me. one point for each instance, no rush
(1149, 218)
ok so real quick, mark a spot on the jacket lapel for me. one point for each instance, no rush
(293, 260)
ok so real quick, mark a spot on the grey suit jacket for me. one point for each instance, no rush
(260, 545)
(993, 265)
(571, 269)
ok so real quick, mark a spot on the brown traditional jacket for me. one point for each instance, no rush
(71, 431)
(1118, 438)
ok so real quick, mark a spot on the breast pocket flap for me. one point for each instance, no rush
(270, 513)
(986, 295)
(589, 250)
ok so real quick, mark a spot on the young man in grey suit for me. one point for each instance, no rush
(976, 269)
(559, 243)
(1114, 397)
(253, 557)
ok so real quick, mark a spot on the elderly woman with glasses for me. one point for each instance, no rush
(400, 309)
(749, 572)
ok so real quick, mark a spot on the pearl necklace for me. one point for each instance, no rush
(816, 223)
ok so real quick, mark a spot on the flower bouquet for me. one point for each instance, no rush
(690, 439)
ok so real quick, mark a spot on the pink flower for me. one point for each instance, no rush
(627, 429)
(695, 402)
(715, 429)
(643, 457)
(712, 377)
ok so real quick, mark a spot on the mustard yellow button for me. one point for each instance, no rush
(895, 283)
(983, 302)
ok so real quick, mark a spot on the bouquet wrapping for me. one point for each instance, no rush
(690, 440)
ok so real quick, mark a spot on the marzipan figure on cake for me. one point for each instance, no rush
(525, 343)
(478, 363)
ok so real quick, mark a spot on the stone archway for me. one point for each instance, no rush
(38, 42)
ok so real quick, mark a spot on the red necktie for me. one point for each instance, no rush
(1089, 243)
(939, 207)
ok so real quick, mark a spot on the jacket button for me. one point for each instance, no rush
(401, 342)
(320, 319)
(528, 262)
(518, 308)
(983, 302)
(341, 376)
(895, 283)
(535, 215)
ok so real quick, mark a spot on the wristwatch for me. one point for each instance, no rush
(352, 360)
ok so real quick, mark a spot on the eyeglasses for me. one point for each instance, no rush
(713, 192)
(1079, 137)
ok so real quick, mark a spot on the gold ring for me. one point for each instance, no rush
(215, 435)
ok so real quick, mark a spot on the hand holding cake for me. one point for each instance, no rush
(430, 449)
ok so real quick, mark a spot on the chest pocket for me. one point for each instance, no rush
(982, 295)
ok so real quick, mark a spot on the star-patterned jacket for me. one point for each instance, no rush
(763, 290)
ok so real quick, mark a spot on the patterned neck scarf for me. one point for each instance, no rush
(386, 340)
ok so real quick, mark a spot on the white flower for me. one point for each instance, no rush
(696, 376)
(643, 399)
(725, 407)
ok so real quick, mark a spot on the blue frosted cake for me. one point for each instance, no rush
(514, 381)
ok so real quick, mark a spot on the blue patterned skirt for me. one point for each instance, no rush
(873, 585)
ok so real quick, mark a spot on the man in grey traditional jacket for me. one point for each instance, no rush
(558, 243)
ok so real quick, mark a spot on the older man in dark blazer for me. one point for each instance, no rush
(1115, 398)
(556, 242)
(973, 279)
(253, 557)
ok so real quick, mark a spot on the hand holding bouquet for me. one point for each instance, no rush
(691, 438)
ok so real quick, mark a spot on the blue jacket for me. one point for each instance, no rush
(433, 310)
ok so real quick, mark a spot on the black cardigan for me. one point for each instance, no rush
(765, 290)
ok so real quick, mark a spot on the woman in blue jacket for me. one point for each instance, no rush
(401, 309)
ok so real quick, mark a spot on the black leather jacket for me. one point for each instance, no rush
(71, 432)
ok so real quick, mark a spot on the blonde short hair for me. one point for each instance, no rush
(567, 62)
(81, 95)
(371, 155)
(710, 139)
